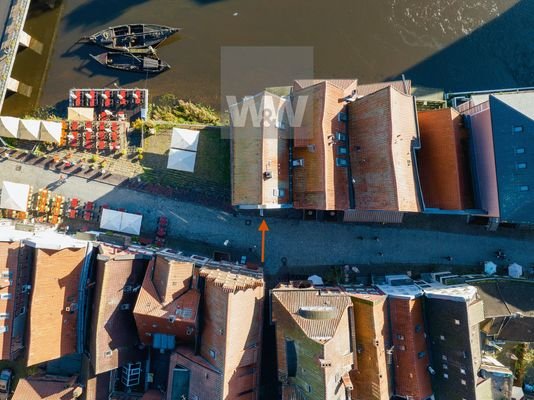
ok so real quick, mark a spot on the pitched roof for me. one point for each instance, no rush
(52, 329)
(44, 388)
(343, 84)
(260, 153)
(114, 335)
(320, 183)
(382, 131)
(443, 168)
(317, 312)
(505, 297)
(230, 277)
(370, 88)
(9, 253)
(515, 179)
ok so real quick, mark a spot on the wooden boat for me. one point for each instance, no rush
(131, 63)
(131, 37)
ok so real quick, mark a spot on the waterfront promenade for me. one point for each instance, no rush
(12, 19)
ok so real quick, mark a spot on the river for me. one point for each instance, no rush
(434, 42)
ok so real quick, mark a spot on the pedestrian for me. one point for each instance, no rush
(449, 258)
(380, 253)
(377, 238)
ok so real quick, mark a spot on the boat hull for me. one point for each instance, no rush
(130, 63)
(136, 37)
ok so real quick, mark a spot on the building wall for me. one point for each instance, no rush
(443, 168)
(410, 355)
(52, 329)
(372, 378)
(9, 253)
(483, 163)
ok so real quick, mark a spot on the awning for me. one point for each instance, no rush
(9, 127)
(131, 223)
(111, 220)
(50, 131)
(29, 129)
(181, 160)
(80, 114)
(184, 139)
(15, 196)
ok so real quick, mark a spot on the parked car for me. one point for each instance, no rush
(6, 378)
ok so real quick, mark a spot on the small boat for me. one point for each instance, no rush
(131, 37)
(131, 63)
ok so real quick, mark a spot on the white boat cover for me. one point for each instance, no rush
(9, 127)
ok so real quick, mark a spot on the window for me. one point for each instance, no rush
(400, 337)
(7, 274)
(445, 366)
(342, 117)
(446, 376)
(189, 331)
(418, 328)
(521, 165)
(456, 322)
(5, 296)
(341, 136)
(520, 150)
(299, 162)
(108, 353)
(311, 148)
(462, 371)
(441, 337)
(291, 358)
(444, 357)
(341, 162)
(402, 347)
(4, 315)
(213, 354)
(342, 150)
(280, 124)
(125, 307)
(3, 329)
(421, 354)
(523, 188)
(308, 388)
(463, 382)
(279, 192)
(518, 129)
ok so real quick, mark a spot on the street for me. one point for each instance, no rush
(302, 243)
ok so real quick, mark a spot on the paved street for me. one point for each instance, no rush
(301, 242)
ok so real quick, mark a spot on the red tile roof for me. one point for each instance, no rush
(44, 388)
(319, 183)
(51, 328)
(114, 339)
(176, 313)
(382, 128)
(370, 88)
(443, 167)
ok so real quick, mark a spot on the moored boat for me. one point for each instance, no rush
(131, 63)
(131, 37)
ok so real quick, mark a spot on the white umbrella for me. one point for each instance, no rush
(181, 160)
(490, 267)
(185, 139)
(73, 96)
(135, 96)
(131, 223)
(88, 96)
(50, 131)
(9, 127)
(104, 96)
(15, 196)
(29, 129)
(111, 220)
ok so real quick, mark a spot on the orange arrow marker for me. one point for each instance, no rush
(263, 228)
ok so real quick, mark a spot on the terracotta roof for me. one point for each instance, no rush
(260, 154)
(44, 388)
(231, 277)
(382, 130)
(443, 167)
(320, 183)
(9, 253)
(343, 84)
(370, 88)
(167, 316)
(114, 335)
(317, 312)
(52, 329)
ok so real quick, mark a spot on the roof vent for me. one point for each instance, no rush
(317, 312)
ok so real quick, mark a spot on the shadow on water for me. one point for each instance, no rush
(206, 2)
(98, 12)
(497, 55)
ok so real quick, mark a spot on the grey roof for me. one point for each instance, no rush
(505, 297)
(515, 170)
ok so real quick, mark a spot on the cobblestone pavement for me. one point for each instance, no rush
(300, 242)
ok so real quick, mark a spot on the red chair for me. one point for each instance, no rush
(123, 95)
(101, 145)
(89, 206)
(101, 135)
(87, 215)
(107, 101)
(78, 101)
(92, 99)
(114, 136)
(102, 125)
(114, 126)
(88, 125)
(72, 213)
(74, 202)
(74, 125)
(138, 98)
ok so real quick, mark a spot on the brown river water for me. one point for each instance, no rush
(450, 44)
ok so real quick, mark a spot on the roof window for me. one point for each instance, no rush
(521, 165)
(518, 129)
(520, 150)
(523, 188)
(341, 162)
